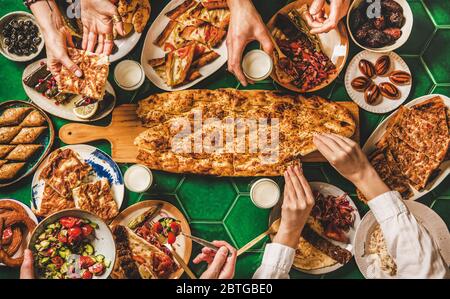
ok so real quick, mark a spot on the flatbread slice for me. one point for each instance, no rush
(214, 4)
(8, 133)
(34, 119)
(170, 38)
(152, 262)
(95, 68)
(10, 170)
(125, 266)
(219, 17)
(307, 257)
(65, 171)
(206, 34)
(23, 152)
(52, 202)
(5, 150)
(97, 198)
(13, 116)
(181, 9)
(28, 135)
(178, 65)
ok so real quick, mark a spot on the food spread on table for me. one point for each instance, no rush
(15, 225)
(379, 31)
(194, 30)
(413, 147)
(305, 65)
(410, 153)
(20, 130)
(295, 114)
(64, 250)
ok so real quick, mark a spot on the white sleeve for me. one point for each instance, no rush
(408, 242)
(276, 263)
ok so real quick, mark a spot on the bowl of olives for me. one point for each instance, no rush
(20, 36)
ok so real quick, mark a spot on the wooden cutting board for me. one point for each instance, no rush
(125, 126)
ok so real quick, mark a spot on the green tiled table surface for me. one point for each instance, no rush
(220, 208)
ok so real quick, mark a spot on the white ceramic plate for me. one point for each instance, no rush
(103, 167)
(370, 146)
(385, 105)
(63, 111)
(27, 239)
(151, 51)
(406, 29)
(328, 189)
(125, 45)
(103, 242)
(424, 215)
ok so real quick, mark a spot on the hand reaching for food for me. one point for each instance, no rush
(297, 204)
(56, 37)
(221, 263)
(349, 160)
(246, 26)
(99, 17)
(27, 269)
(319, 22)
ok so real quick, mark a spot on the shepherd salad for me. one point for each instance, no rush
(65, 251)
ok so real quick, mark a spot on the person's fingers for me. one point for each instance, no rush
(71, 66)
(217, 264)
(27, 270)
(230, 265)
(92, 40)
(100, 44)
(223, 244)
(84, 43)
(199, 258)
(306, 187)
(108, 47)
(348, 141)
(288, 188)
(119, 27)
(316, 6)
(266, 42)
(298, 188)
(320, 17)
(341, 143)
(207, 250)
(327, 26)
(69, 39)
(235, 50)
(323, 147)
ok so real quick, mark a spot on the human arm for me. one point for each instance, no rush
(221, 263)
(27, 270)
(408, 242)
(98, 25)
(56, 37)
(298, 201)
(246, 26)
(320, 23)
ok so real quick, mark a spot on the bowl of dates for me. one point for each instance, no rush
(380, 26)
(20, 36)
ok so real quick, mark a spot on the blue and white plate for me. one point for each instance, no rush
(103, 167)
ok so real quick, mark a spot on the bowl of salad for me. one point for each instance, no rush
(73, 244)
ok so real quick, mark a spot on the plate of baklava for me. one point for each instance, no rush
(26, 137)
(78, 176)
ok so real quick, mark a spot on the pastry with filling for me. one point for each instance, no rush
(13, 116)
(23, 152)
(28, 135)
(97, 198)
(9, 170)
(5, 150)
(52, 202)
(64, 171)
(8, 133)
(34, 119)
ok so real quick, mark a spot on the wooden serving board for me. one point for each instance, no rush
(125, 127)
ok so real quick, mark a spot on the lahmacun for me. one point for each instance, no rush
(95, 70)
